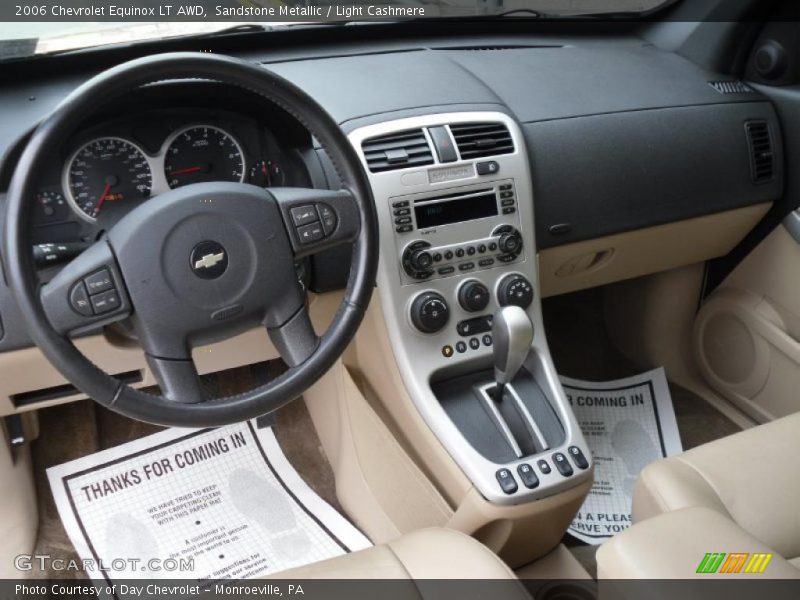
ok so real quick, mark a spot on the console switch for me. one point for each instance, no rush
(506, 480)
(562, 464)
(578, 458)
(527, 476)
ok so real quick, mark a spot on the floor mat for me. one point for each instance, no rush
(627, 423)
(224, 503)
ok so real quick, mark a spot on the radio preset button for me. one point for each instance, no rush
(471, 250)
(492, 247)
(482, 248)
(460, 253)
(448, 255)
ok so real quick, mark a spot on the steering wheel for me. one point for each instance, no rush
(200, 263)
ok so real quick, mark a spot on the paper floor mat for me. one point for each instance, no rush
(203, 505)
(628, 423)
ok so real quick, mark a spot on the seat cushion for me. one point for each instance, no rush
(425, 554)
(751, 477)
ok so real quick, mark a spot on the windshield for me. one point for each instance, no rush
(50, 26)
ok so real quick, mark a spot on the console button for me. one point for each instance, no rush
(487, 340)
(460, 252)
(400, 204)
(506, 194)
(448, 255)
(466, 266)
(105, 302)
(474, 343)
(402, 212)
(471, 251)
(562, 464)
(461, 347)
(578, 458)
(402, 220)
(482, 248)
(474, 326)
(506, 202)
(505, 186)
(99, 282)
(488, 167)
(544, 466)
(527, 476)
(310, 233)
(510, 210)
(302, 215)
(486, 262)
(447, 351)
(506, 480)
(446, 270)
(492, 247)
(437, 257)
(79, 300)
(473, 296)
(328, 217)
(404, 229)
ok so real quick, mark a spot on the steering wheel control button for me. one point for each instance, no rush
(578, 458)
(105, 302)
(506, 480)
(429, 312)
(447, 351)
(473, 296)
(310, 233)
(515, 290)
(562, 464)
(208, 260)
(488, 167)
(527, 476)
(99, 282)
(303, 215)
(544, 466)
(327, 217)
(79, 300)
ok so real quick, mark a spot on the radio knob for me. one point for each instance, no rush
(429, 312)
(473, 296)
(515, 290)
(510, 242)
(417, 260)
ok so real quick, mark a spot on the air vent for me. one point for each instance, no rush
(475, 140)
(397, 151)
(762, 156)
(731, 87)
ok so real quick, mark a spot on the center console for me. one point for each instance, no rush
(455, 206)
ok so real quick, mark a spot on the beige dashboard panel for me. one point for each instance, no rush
(599, 261)
(25, 371)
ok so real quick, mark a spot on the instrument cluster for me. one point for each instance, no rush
(107, 171)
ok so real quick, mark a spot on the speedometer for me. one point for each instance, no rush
(106, 170)
(203, 153)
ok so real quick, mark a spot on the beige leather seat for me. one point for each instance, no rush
(737, 494)
(424, 554)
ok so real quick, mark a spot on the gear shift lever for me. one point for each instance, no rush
(512, 331)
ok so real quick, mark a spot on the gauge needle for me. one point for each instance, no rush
(187, 170)
(103, 197)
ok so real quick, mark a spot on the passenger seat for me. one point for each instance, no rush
(739, 494)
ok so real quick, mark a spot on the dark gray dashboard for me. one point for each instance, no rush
(622, 135)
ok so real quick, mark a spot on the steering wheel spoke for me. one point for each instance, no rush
(87, 293)
(177, 378)
(317, 219)
(295, 339)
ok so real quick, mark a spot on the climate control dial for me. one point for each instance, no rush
(429, 312)
(473, 296)
(515, 290)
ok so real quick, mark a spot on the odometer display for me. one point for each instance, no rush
(203, 153)
(107, 170)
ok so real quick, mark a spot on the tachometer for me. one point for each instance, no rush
(106, 170)
(203, 153)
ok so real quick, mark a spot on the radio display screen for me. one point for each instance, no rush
(433, 214)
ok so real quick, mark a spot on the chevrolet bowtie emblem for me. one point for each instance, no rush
(209, 260)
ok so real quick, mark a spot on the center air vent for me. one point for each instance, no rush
(475, 140)
(762, 156)
(397, 151)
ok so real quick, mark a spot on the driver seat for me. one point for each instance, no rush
(435, 553)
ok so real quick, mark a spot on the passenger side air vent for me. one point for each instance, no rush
(475, 140)
(762, 156)
(397, 151)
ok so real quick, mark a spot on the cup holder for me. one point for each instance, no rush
(567, 590)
